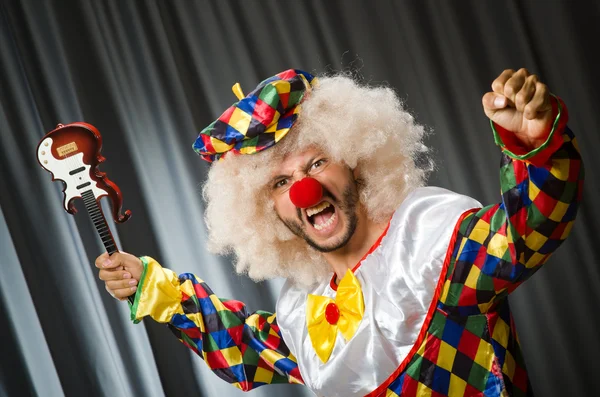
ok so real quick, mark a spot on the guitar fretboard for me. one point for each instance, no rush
(97, 217)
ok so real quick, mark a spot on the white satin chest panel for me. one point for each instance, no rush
(398, 281)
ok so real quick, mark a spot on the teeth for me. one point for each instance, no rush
(329, 222)
(318, 208)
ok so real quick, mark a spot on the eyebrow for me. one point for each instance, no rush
(308, 164)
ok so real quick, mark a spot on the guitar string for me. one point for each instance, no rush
(73, 162)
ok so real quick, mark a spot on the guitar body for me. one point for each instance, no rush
(72, 154)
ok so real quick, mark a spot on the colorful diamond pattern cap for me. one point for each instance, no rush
(259, 120)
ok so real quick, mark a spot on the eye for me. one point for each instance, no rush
(280, 183)
(318, 164)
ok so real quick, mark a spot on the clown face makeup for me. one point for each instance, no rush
(330, 222)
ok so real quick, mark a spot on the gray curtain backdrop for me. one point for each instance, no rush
(150, 74)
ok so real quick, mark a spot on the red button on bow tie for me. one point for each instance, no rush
(332, 313)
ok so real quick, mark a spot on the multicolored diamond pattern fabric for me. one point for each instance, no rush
(470, 346)
(259, 120)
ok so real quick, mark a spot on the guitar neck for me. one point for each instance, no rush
(97, 216)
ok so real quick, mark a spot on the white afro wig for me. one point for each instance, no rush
(359, 125)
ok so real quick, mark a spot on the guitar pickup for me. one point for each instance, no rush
(77, 170)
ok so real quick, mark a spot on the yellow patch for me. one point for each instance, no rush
(232, 355)
(423, 391)
(263, 375)
(240, 120)
(220, 146)
(535, 260)
(480, 231)
(567, 230)
(457, 386)
(446, 356)
(485, 354)
(535, 240)
(560, 169)
(509, 365)
(501, 331)
(560, 209)
(497, 245)
(472, 278)
(533, 191)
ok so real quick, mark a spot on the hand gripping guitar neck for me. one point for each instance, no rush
(72, 154)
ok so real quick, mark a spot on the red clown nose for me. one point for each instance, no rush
(305, 193)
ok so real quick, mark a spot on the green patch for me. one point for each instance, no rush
(188, 340)
(295, 97)
(210, 345)
(498, 220)
(464, 225)
(437, 324)
(269, 95)
(485, 282)
(507, 178)
(249, 142)
(414, 368)
(250, 357)
(534, 217)
(478, 377)
(476, 324)
(229, 319)
(454, 294)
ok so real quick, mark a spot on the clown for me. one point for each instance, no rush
(392, 288)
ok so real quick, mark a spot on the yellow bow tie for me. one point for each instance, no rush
(324, 316)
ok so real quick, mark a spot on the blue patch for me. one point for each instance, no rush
(441, 380)
(182, 322)
(238, 372)
(222, 339)
(247, 104)
(206, 306)
(452, 333)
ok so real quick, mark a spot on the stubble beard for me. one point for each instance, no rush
(347, 206)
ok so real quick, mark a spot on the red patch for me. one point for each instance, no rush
(236, 333)
(284, 98)
(473, 392)
(544, 203)
(272, 342)
(487, 216)
(245, 385)
(200, 292)
(234, 306)
(262, 363)
(432, 349)
(263, 112)
(226, 116)
(287, 74)
(520, 379)
(468, 296)
(409, 387)
(216, 360)
(193, 333)
(468, 344)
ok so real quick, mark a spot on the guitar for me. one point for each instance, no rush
(71, 153)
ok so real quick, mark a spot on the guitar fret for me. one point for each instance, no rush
(97, 217)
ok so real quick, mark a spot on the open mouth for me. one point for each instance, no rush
(322, 215)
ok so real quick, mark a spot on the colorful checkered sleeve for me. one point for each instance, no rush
(244, 349)
(502, 245)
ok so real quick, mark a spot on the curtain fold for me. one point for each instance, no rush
(150, 74)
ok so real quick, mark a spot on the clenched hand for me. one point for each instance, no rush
(120, 272)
